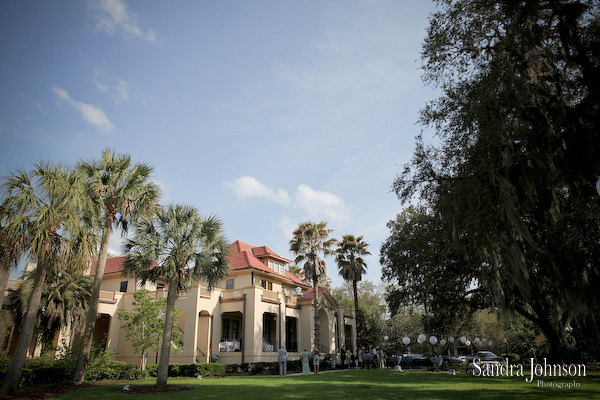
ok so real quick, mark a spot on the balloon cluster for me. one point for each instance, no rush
(434, 340)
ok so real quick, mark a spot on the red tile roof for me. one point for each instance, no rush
(310, 293)
(241, 256)
(112, 265)
(245, 256)
(264, 251)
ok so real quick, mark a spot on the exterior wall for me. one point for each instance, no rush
(201, 320)
(306, 322)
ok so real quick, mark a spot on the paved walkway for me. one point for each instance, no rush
(281, 376)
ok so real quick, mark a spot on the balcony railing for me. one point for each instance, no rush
(107, 296)
(291, 301)
(13, 283)
(232, 294)
(270, 295)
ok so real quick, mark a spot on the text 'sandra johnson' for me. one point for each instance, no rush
(532, 370)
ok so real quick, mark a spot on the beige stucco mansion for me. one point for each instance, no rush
(258, 308)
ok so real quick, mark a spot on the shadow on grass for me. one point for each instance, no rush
(373, 384)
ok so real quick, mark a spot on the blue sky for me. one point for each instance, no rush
(265, 113)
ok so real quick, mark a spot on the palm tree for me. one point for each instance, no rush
(65, 297)
(352, 265)
(296, 271)
(122, 191)
(180, 248)
(41, 211)
(11, 249)
(309, 240)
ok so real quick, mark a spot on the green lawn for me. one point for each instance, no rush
(362, 384)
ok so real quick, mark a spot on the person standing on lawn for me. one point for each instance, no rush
(316, 359)
(304, 357)
(360, 359)
(283, 358)
(349, 358)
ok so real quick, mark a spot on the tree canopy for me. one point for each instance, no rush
(41, 215)
(352, 265)
(309, 240)
(65, 295)
(428, 272)
(180, 248)
(144, 326)
(511, 182)
(121, 191)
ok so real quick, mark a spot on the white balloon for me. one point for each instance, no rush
(451, 339)
(421, 338)
(385, 337)
(443, 342)
(490, 343)
(406, 340)
(468, 342)
(433, 340)
(463, 339)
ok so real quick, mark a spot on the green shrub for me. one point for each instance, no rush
(27, 377)
(131, 372)
(231, 368)
(174, 370)
(40, 362)
(212, 369)
(40, 376)
(274, 367)
(295, 366)
(257, 368)
(37, 371)
(152, 369)
(192, 369)
(5, 362)
(189, 370)
(101, 367)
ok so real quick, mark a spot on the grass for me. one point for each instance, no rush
(363, 384)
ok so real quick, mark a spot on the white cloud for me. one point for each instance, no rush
(247, 186)
(42, 108)
(120, 91)
(315, 204)
(318, 203)
(113, 17)
(287, 226)
(90, 113)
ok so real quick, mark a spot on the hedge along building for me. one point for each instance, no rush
(260, 307)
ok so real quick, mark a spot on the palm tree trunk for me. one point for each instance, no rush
(90, 321)
(165, 351)
(317, 327)
(11, 380)
(4, 275)
(355, 290)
